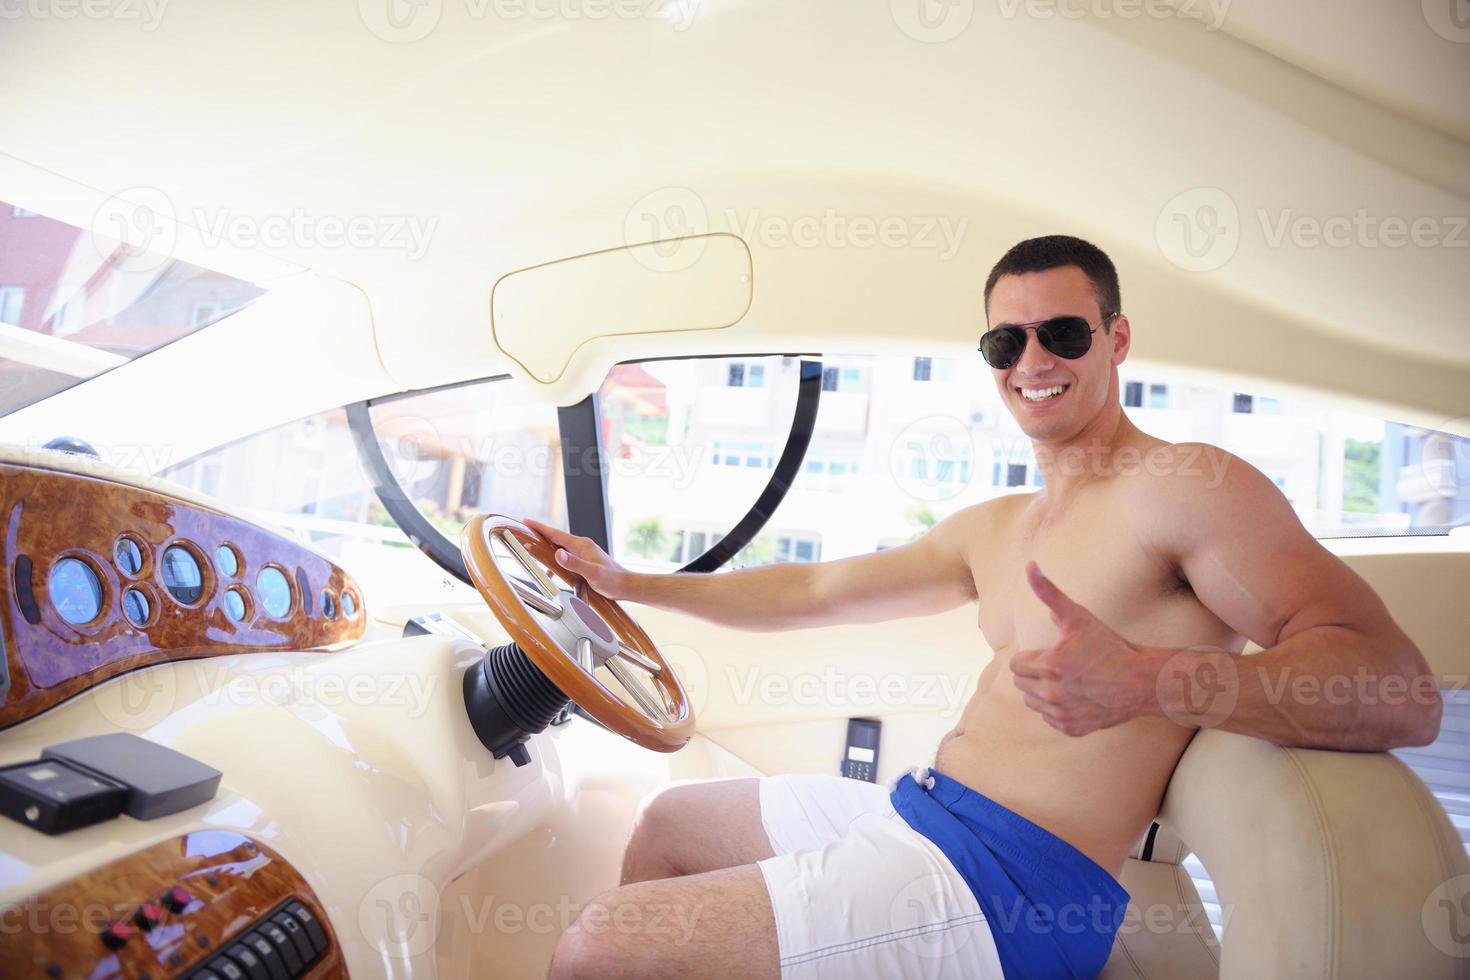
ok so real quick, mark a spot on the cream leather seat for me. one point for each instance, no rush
(1326, 864)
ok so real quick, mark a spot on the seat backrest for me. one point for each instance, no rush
(1325, 865)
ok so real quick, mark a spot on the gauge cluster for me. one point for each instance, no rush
(103, 577)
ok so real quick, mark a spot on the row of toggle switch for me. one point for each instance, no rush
(281, 945)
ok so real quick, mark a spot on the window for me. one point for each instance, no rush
(688, 451)
(12, 299)
(1133, 394)
(922, 368)
(488, 446)
(841, 379)
(101, 306)
(1242, 404)
(206, 313)
(888, 460)
(753, 454)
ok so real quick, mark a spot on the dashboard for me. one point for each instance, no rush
(207, 905)
(102, 577)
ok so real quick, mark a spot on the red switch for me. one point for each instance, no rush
(177, 898)
(149, 914)
(116, 934)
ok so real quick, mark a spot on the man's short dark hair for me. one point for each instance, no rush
(1055, 252)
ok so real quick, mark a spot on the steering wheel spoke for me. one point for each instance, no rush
(648, 700)
(632, 656)
(534, 598)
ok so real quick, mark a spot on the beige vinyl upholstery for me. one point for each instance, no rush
(1326, 864)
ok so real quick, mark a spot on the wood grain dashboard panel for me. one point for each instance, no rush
(178, 908)
(49, 516)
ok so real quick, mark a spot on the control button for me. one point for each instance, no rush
(228, 970)
(314, 931)
(248, 961)
(268, 955)
(177, 898)
(203, 975)
(292, 928)
(149, 914)
(284, 943)
(116, 934)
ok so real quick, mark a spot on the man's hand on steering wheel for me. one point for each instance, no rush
(582, 556)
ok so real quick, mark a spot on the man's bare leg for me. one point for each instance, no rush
(696, 827)
(714, 925)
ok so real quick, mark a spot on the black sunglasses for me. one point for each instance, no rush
(1064, 336)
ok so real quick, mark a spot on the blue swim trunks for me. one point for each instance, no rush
(1052, 910)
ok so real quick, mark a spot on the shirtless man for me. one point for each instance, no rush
(1116, 600)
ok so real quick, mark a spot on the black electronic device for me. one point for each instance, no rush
(860, 757)
(53, 796)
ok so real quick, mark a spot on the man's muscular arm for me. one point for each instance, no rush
(925, 576)
(1335, 671)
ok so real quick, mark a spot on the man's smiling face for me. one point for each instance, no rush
(1051, 397)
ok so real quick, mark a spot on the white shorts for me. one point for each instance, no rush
(858, 893)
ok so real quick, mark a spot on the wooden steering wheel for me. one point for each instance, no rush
(570, 634)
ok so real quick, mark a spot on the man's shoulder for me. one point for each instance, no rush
(1192, 480)
(985, 517)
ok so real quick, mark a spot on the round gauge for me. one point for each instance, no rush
(182, 575)
(227, 560)
(274, 591)
(136, 606)
(76, 591)
(129, 556)
(349, 605)
(235, 605)
(329, 605)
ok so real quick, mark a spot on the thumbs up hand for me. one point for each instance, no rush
(1091, 678)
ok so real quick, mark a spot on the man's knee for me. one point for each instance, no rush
(656, 826)
(585, 951)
